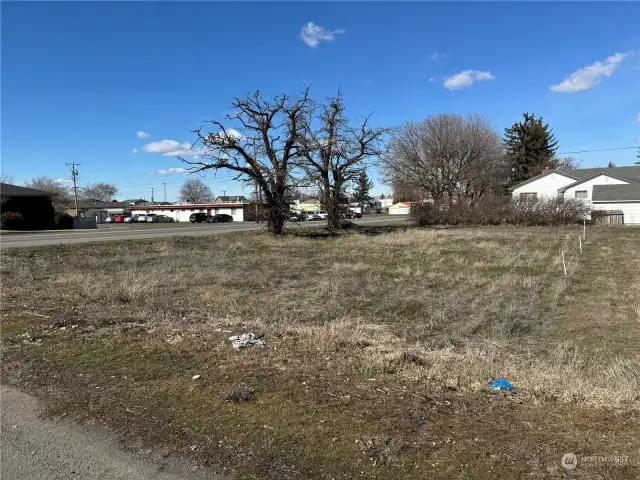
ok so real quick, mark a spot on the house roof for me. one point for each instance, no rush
(17, 191)
(134, 201)
(401, 204)
(232, 198)
(631, 174)
(614, 193)
(97, 204)
(596, 174)
(187, 207)
(145, 203)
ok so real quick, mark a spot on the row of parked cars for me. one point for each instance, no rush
(139, 218)
(322, 215)
(198, 217)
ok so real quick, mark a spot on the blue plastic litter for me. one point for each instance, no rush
(501, 384)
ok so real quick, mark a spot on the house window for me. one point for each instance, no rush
(171, 210)
(233, 211)
(582, 194)
(528, 196)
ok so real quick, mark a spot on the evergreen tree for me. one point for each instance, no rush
(363, 187)
(530, 148)
(382, 197)
(611, 164)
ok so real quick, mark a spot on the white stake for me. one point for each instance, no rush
(564, 265)
(580, 242)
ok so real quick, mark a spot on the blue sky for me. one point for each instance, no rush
(80, 80)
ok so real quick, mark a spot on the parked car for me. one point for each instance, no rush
(151, 218)
(107, 220)
(141, 218)
(219, 218)
(198, 217)
(128, 219)
(294, 218)
(313, 217)
(347, 214)
(119, 218)
(164, 219)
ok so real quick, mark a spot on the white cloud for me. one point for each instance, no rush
(142, 134)
(589, 76)
(313, 34)
(135, 150)
(466, 79)
(170, 148)
(437, 56)
(169, 171)
(232, 132)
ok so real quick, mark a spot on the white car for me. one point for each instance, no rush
(149, 218)
(141, 218)
(106, 220)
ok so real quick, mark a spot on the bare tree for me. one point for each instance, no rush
(263, 153)
(51, 185)
(449, 156)
(564, 164)
(335, 153)
(195, 191)
(5, 178)
(102, 192)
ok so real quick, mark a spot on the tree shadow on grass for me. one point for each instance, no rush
(346, 228)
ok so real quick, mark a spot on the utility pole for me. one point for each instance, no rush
(152, 190)
(165, 191)
(74, 176)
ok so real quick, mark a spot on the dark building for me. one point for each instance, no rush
(26, 208)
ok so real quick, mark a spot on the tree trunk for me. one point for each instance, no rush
(332, 206)
(275, 221)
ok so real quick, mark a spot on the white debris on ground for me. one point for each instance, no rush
(245, 340)
(195, 377)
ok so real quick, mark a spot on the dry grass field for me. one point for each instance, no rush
(379, 349)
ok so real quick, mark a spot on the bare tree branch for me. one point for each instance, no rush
(271, 132)
(334, 153)
(448, 156)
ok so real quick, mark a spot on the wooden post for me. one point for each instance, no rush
(564, 265)
(580, 242)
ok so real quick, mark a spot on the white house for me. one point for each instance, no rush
(400, 208)
(180, 213)
(612, 188)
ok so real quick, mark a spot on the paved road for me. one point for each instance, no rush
(132, 232)
(35, 448)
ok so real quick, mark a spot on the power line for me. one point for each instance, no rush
(122, 187)
(600, 150)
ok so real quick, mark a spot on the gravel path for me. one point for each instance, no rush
(36, 448)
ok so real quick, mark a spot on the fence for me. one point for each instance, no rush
(84, 222)
(607, 217)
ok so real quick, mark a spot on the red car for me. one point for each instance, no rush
(118, 219)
